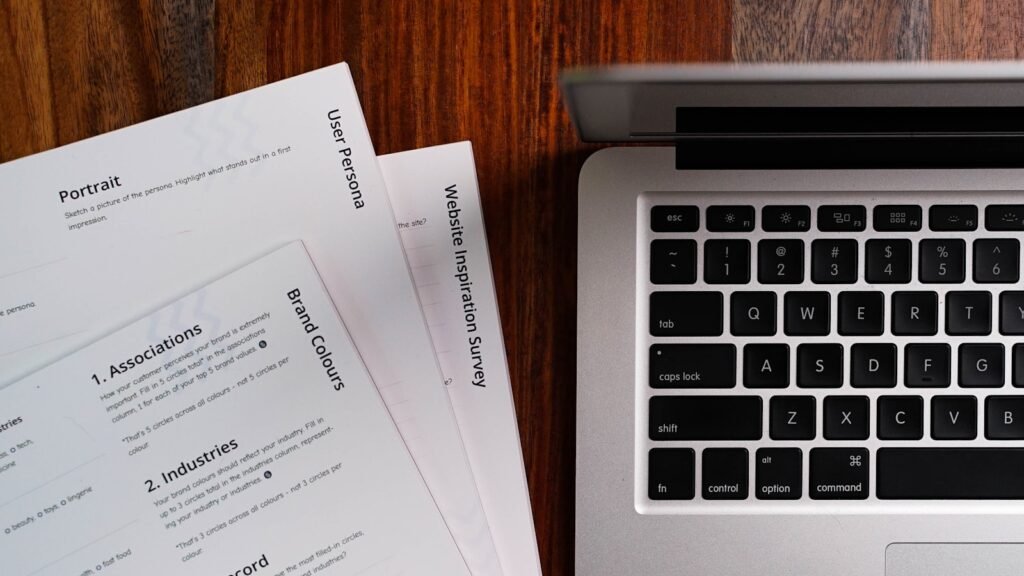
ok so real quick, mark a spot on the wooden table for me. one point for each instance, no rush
(436, 71)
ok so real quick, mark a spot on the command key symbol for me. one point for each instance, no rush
(855, 461)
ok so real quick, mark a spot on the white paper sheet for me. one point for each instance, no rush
(84, 231)
(246, 435)
(436, 199)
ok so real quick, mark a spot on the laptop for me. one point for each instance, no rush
(800, 320)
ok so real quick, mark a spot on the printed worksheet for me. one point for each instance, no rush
(95, 232)
(234, 431)
(436, 199)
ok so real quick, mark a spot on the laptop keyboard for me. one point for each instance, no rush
(792, 351)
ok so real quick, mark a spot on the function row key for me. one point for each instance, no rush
(842, 218)
(953, 218)
(1004, 217)
(786, 218)
(839, 218)
(730, 218)
(777, 218)
(897, 218)
(675, 219)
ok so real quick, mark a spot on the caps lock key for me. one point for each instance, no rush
(693, 366)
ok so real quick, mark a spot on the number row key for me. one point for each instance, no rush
(834, 261)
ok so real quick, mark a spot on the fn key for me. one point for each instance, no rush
(670, 474)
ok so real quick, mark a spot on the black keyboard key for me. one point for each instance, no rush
(785, 218)
(1018, 365)
(675, 218)
(1004, 417)
(996, 260)
(887, 261)
(670, 474)
(845, 417)
(791, 418)
(839, 474)
(686, 314)
(860, 313)
(949, 473)
(834, 261)
(842, 218)
(900, 418)
(915, 313)
(968, 313)
(1011, 313)
(693, 366)
(953, 218)
(780, 261)
(766, 365)
(779, 473)
(942, 261)
(897, 218)
(753, 313)
(954, 417)
(926, 366)
(819, 365)
(726, 261)
(705, 418)
(1004, 217)
(981, 365)
(873, 365)
(807, 314)
(730, 218)
(673, 262)
(724, 473)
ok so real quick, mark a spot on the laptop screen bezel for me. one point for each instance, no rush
(644, 103)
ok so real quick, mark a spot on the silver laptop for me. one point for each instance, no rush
(801, 320)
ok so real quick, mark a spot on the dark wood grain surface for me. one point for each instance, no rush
(436, 71)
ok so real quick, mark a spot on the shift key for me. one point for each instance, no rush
(686, 314)
(693, 366)
(705, 418)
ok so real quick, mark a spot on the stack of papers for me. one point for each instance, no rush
(235, 341)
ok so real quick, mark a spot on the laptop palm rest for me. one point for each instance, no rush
(991, 559)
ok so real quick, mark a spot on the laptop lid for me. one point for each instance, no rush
(877, 115)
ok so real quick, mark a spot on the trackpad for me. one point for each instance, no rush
(954, 559)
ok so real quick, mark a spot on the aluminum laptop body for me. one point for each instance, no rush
(731, 147)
